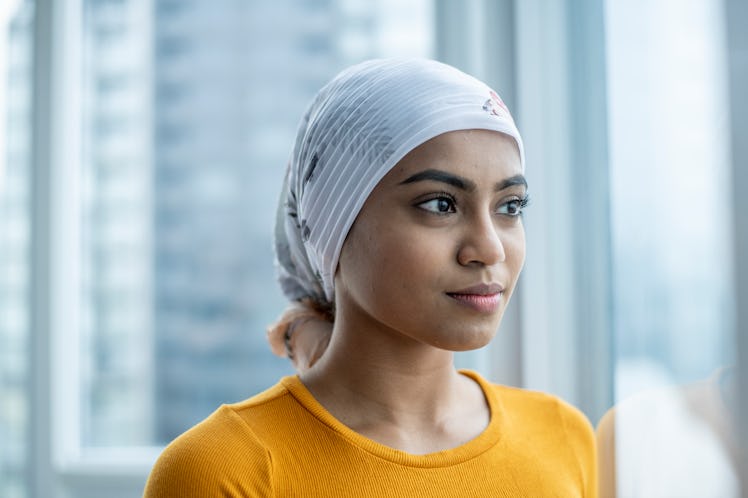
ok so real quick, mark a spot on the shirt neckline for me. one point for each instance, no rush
(471, 449)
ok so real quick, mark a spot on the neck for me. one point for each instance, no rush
(386, 386)
(382, 366)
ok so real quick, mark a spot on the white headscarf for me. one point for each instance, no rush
(356, 129)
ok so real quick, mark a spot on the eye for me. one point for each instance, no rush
(439, 205)
(513, 207)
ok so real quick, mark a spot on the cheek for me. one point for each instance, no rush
(381, 263)
(514, 244)
(395, 260)
(363, 259)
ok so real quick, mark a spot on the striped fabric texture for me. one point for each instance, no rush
(354, 132)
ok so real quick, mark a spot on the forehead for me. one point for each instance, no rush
(479, 155)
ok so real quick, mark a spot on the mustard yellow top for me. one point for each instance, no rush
(283, 443)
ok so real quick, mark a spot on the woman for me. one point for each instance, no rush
(402, 224)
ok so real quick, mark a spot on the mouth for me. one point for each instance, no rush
(483, 298)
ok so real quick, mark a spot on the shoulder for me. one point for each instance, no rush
(538, 411)
(562, 427)
(536, 404)
(221, 456)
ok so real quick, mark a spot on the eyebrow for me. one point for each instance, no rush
(512, 181)
(460, 182)
(441, 176)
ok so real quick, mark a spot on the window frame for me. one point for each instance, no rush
(736, 16)
(535, 48)
(547, 58)
(58, 465)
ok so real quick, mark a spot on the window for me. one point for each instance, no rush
(16, 25)
(136, 212)
(669, 174)
(161, 281)
(178, 287)
(671, 231)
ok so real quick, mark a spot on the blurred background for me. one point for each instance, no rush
(142, 148)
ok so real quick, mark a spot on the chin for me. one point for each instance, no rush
(466, 341)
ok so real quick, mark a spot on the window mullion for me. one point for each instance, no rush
(737, 45)
(41, 474)
(55, 406)
(592, 224)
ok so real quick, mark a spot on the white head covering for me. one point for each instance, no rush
(356, 129)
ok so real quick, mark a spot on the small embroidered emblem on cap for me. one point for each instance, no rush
(495, 105)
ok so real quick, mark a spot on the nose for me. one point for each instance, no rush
(481, 243)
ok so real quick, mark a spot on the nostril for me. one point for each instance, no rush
(481, 247)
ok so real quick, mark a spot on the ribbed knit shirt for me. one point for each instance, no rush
(283, 443)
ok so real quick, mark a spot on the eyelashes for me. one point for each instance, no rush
(443, 203)
(517, 205)
(440, 203)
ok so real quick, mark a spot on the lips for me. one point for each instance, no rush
(484, 298)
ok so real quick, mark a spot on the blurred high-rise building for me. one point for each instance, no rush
(190, 113)
(116, 224)
(15, 226)
(231, 81)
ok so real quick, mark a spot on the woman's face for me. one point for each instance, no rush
(436, 250)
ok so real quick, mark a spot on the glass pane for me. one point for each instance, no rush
(671, 221)
(15, 164)
(191, 108)
(116, 226)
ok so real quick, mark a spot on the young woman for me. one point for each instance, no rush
(401, 223)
